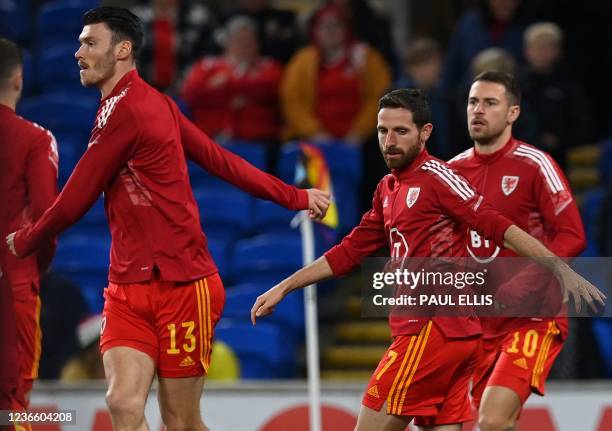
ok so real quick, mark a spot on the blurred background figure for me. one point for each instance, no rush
(422, 69)
(558, 100)
(331, 87)
(277, 29)
(177, 32)
(87, 364)
(369, 25)
(495, 23)
(236, 95)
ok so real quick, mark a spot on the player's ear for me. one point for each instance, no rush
(513, 113)
(17, 80)
(426, 132)
(124, 50)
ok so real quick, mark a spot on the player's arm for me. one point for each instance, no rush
(459, 199)
(41, 175)
(237, 171)
(100, 163)
(561, 218)
(365, 239)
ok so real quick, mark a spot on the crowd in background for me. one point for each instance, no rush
(252, 71)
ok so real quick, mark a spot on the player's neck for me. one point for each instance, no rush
(494, 145)
(107, 87)
(8, 101)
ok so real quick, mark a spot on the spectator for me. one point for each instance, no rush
(277, 29)
(559, 102)
(494, 23)
(369, 26)
(422, 70)
(332, 86)
(236, 95)
(87, 365)
(178, 32)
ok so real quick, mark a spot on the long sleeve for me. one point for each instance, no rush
(41, 175)
(108, 151)
(366, 238)
(235, 170)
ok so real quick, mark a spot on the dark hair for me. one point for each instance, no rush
(421, 51)
(413, 100)
(10, 58)
(510, 83)
(122, 23)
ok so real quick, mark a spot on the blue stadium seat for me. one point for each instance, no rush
(266, 258)
(61, 21)
(220, 249)
(29, 74)
(590, 210)
(226, 213)
(345, 165)
(70, 118)
(16, 21)
(605, 162)
(272, 218)
(261, 349)
(252, 152)
(58, 71)
(288, 314)
(85, 260)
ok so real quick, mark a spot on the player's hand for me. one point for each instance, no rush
(579, 288)
(10, 242)
(318, 202)
(265, 303)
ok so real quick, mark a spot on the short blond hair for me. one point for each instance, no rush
(543, 31)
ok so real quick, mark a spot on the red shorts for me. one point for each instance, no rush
(425, 376)
(171, 322)
(29, 340)
(519, 360)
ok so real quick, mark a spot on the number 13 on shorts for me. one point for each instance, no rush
(186, 331)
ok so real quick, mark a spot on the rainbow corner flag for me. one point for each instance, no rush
(312, 171)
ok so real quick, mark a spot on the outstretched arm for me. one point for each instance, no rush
(317, 271)
(237, 171)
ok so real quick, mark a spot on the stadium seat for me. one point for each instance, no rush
(272, 218)
(605, 162)
(266, 258)
(220, 250)
(70, 118)
(58, 71)
(85, 260)
(226, 213)
(591, 216)
(261, 349)
(345, 164)
(288, 314)
(29, 74)
(16, 21)
(61, 21)
(252, 152)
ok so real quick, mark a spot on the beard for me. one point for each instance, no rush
(100, 72)
(406, 156)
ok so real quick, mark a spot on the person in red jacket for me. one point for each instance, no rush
(164, 295)
(236, 95)
(419, 210)
(28, 186)
(527, 185)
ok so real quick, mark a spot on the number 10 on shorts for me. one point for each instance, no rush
(190, 340)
